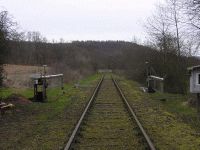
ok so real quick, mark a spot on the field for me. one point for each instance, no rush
(171, 123)
(44, 125)
(18, 76)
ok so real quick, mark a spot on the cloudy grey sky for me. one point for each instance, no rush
(82, 19)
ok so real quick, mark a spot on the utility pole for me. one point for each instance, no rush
(44, 82)
(198, 106)
(148, 73)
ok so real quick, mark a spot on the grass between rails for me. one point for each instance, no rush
(108, 124)
(165, 121)
(45, 125)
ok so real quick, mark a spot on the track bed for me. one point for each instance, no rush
(108, 124)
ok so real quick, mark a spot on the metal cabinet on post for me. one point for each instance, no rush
(40, 84)
(39, 90)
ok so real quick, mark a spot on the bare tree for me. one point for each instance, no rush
(158, 29)
(176, 19)
(6, 33)
(193, 13)
(34, 36)
(170, 21)
(62, 40)
(7, 25)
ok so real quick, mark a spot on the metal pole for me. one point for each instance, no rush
(44, 83)
(198, 106)
(162, 86)
(62, 87)
(35, 91)
(147, 69)
(147, 73)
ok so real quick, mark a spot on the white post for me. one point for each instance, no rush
(44, 83)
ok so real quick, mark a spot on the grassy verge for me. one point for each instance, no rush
(165, 120)
(45, 125)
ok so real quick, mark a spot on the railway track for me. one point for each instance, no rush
(108, 122)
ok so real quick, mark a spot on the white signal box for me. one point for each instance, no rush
(194, 79)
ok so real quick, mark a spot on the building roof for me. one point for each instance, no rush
(37, 76)
(156, 78)
(190, 69)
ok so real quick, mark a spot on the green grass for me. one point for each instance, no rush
(171, 124)
(5, 92)
(89, 79)
(44, 125)
(51, 92)
(174, 103)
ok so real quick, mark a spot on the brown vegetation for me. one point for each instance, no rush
(20, 75)
(17, 99)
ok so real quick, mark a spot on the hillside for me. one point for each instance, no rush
(79, 59)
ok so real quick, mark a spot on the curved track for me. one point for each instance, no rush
(108, 122)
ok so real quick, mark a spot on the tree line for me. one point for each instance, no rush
(81, 58)
(174, 27)
(173, 30)
(7, 32)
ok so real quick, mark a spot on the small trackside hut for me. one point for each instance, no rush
(194, 79)
(194, 73)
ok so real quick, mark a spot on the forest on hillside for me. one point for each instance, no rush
(79, 59)
(172, 46)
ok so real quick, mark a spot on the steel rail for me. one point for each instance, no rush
(71, 139)
(147, 138)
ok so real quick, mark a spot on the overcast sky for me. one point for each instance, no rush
(82, 19)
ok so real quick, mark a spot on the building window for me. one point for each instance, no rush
(199, 78)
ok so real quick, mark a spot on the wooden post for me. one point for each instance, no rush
(198, 106)
(44, 89)
(62, 86)
(44, 84)
(35, 91)
(162, 86)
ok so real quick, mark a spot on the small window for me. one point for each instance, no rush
(196, 78)
(199, 78)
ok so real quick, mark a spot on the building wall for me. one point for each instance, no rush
(194, 86)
